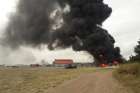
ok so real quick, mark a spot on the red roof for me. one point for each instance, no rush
(63, 61)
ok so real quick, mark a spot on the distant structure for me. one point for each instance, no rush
(35, 65)
(88, 64)
(66, 63)
(1, 66)
(63, 61)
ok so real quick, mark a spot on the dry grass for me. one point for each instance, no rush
(129, 75)
(35, 80)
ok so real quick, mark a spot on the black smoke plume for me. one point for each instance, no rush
(81, 26)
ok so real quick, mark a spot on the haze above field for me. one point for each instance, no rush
(123, 25)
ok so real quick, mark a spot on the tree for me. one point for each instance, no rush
(137, 49)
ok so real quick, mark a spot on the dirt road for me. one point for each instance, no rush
(99, 82)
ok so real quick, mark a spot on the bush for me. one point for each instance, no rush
(129, 75)
(131, 69)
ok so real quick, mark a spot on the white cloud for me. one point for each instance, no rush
(61, 54)
(20, 56)
(6, 7)
(123, 24)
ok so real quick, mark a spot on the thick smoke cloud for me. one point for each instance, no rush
(81, 26)
(31, 23)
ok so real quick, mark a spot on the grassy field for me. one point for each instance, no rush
(129, 75)
(36, 80)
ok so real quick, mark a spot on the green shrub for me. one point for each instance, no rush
(129, 75)
(131, 69)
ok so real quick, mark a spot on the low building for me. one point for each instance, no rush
(35, 65)
(88, 64)
(66, 63)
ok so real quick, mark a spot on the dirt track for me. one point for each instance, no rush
(99, 82)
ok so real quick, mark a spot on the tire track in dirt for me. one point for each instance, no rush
(98, 82)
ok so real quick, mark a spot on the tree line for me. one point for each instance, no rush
(137, 52)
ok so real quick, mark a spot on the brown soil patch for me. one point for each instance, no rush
(98, 82)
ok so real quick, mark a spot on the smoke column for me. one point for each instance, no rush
(80, 27)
